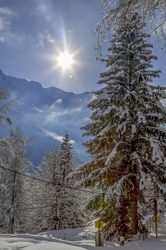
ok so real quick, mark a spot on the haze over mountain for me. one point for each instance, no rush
(48, 114)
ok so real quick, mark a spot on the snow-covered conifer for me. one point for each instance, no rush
(61, 206)
(70, 205)
(127, 124)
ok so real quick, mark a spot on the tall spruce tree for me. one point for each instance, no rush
(71, 215)
(61, 205)
(127, 128)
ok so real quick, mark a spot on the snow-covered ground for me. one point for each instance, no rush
(78, 239)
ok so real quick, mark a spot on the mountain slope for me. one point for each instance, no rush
(48, 114)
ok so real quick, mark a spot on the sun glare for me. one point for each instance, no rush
(65, 60)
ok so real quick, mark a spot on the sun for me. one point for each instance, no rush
(65, 60)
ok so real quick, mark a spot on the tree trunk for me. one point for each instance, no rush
(134, 216)
(155, 214)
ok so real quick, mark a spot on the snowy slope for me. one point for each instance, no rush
(76, 239)
(81, 238)
(47, 113)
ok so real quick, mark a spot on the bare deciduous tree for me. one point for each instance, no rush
(152, 11)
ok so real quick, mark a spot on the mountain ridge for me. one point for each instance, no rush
(48, 114)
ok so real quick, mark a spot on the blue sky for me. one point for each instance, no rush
(32, 33)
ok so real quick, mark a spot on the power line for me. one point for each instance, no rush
(42, 180)
(58, 184)
(32, 177)
(26, 208)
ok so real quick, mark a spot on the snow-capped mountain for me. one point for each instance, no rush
(48, 114)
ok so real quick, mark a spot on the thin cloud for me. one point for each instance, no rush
(7, 15)
(6, 11)
(57, 114)
(58, 137)
(45, 38)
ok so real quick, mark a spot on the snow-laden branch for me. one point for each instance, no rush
(113, 153)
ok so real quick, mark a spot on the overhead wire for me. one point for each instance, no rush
(59, 184)
(45, 181)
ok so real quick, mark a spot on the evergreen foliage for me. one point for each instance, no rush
(127, 125)
(62, 206)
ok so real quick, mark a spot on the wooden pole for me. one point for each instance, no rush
(12, 217)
